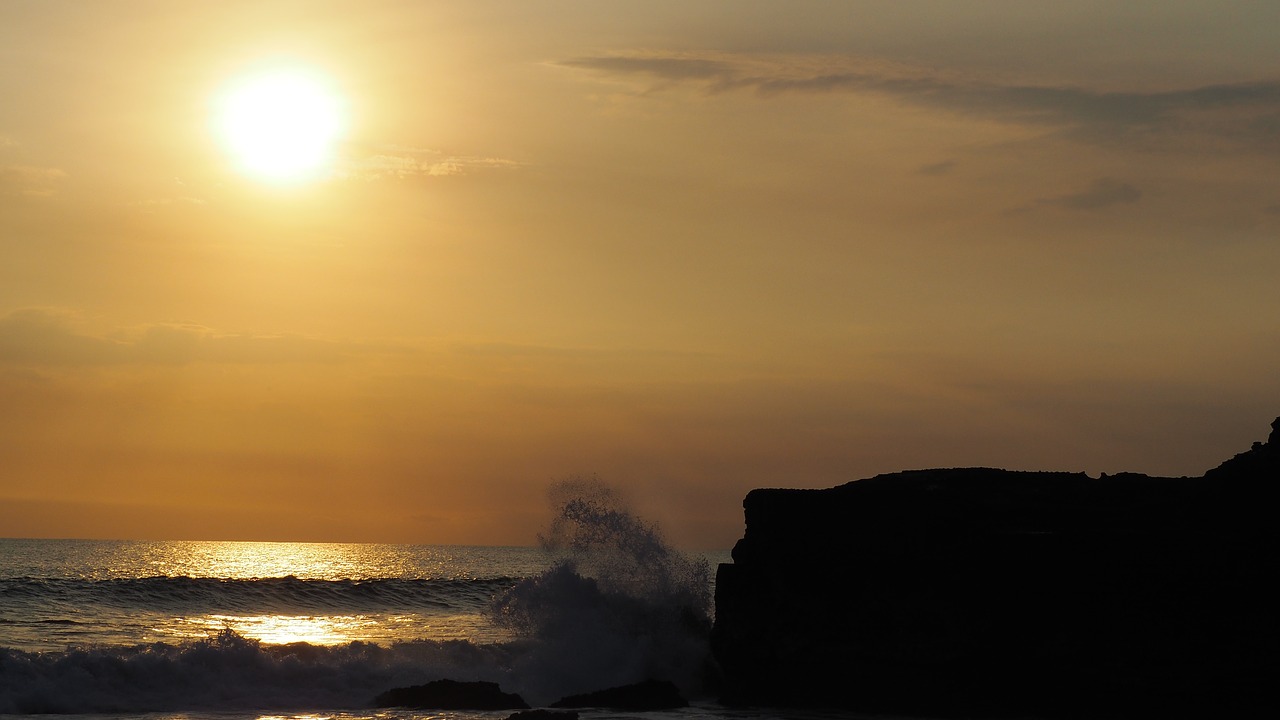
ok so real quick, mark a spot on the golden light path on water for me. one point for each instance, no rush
(319, 561)
(286, 629)
(278, 573)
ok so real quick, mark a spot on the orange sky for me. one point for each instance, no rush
(693, 248)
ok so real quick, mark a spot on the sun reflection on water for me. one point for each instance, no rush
(382, 628)
(286, 629)
(240, 560)
(248, 560)
(277, 593)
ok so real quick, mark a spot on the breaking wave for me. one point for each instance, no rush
(619, 606)
(622, 607)
(187, 594)
(229, 672)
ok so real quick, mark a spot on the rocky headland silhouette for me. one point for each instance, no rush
(987, 592)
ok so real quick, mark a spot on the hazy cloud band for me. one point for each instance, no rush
(1246, 113)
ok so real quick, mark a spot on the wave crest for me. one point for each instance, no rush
(187, 594)
(229, 672)
(624, 606)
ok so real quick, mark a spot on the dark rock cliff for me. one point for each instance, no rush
(988, 592)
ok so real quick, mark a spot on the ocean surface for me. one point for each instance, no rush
(226, 630)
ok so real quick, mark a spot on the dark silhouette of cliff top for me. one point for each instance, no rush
(982, 592)
(996, 501)
(1260, 463)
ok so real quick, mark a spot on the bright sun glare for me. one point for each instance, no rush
(280, 126)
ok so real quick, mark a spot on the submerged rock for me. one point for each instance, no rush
(639, 697)
(451, 695)
(991, 592)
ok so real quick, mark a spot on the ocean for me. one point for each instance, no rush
(229, 630)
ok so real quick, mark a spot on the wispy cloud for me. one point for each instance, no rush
(52, 337)
(30, 181)
(663, 67)
(1243, 114)
(938, 168)
(153, 204)
(1102, 193)
(400, 163)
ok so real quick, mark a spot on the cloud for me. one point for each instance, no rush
(398, 163)
(666, 68)
(49, 337)
(151, 204)
(938, 168)
(39, 336)
(1102, 193)
(29, 180)
(181, 344)
(1241, 114)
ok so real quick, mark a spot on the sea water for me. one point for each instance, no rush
(236, 629)
(60, 594)
(230, 630)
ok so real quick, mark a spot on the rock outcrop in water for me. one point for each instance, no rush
(989, 592)
(451, 695)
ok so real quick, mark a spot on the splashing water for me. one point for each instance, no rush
(623, 606)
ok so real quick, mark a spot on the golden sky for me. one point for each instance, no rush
(693, 248)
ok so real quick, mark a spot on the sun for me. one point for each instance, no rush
(281, 126)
